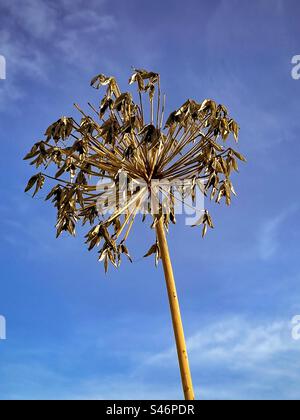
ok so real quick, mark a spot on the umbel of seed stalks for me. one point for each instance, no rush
(131, 136)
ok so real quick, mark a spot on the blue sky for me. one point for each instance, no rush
(74, 332)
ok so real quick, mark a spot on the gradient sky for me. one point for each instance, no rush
(73, 332)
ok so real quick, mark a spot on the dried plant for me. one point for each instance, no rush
(127, 136)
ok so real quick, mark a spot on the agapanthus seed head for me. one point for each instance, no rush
(119, 138)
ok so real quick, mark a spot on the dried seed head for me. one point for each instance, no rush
(120, 138)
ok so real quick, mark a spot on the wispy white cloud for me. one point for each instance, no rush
(234, 340)
(259, 357)
(67, 27)
(35, 35)
(268, 241)
(269, 235)
(34, 17)
(230, 359)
